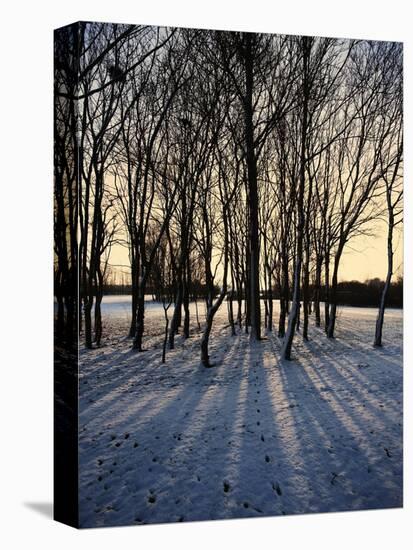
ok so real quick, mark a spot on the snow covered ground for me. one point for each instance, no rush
(251, 436)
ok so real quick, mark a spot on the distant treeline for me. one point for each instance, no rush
(354, 293)
(349, 293)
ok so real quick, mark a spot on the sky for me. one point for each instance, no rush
(364, 257)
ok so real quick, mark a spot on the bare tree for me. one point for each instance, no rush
(261, 70)
(216, 197)
(239, 165)
(66, 184)
(359, 165)
(98, 96)
(306, 45)
(322, 68)
(391, 165)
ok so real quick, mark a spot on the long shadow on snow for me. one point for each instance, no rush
(379, 491)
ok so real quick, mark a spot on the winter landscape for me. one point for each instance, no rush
(254, 436)
(228, 274)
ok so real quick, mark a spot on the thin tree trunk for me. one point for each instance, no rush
(284, 296)
(197, 314)
(230, 299)
(380, 315)
(282, 317)
(306, 297)
(176, 318)
(98, 310)
(317, 286)
(185, 300)
(140, 316)
(254, 274)
(134, 277)
(205, 341)
(270, 300)
(293, 318)
(327, 292)
(333, 294)
(266, 313)
(165, 341)
(98, 318)
(87, 312)
(213, 308)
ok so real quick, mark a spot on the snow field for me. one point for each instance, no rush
(251, 436)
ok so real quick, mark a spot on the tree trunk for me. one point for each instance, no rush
(266, 311)
(231, 312)
(98, 310)
(140, 316)
(165, 340)
(317, 286)
(380, 315)
(282, 317)
(327, 292)
(87, 312)
(295, 308)
(284, 296)
(213, 308)
(333, 294)
(239, 299)
(297, 327)
(197, 314)
(134, 277)
(306, 296)
(185, 301)
(205, 341)
(98, 318)
(251, 159)
(247, 299)
(270, 301)
(176, 318)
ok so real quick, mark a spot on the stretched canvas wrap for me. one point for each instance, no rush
(228, 274)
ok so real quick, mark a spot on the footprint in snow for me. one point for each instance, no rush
(333, 479)
(276, 487)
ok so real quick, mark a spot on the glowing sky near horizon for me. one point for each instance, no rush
(364, 257)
